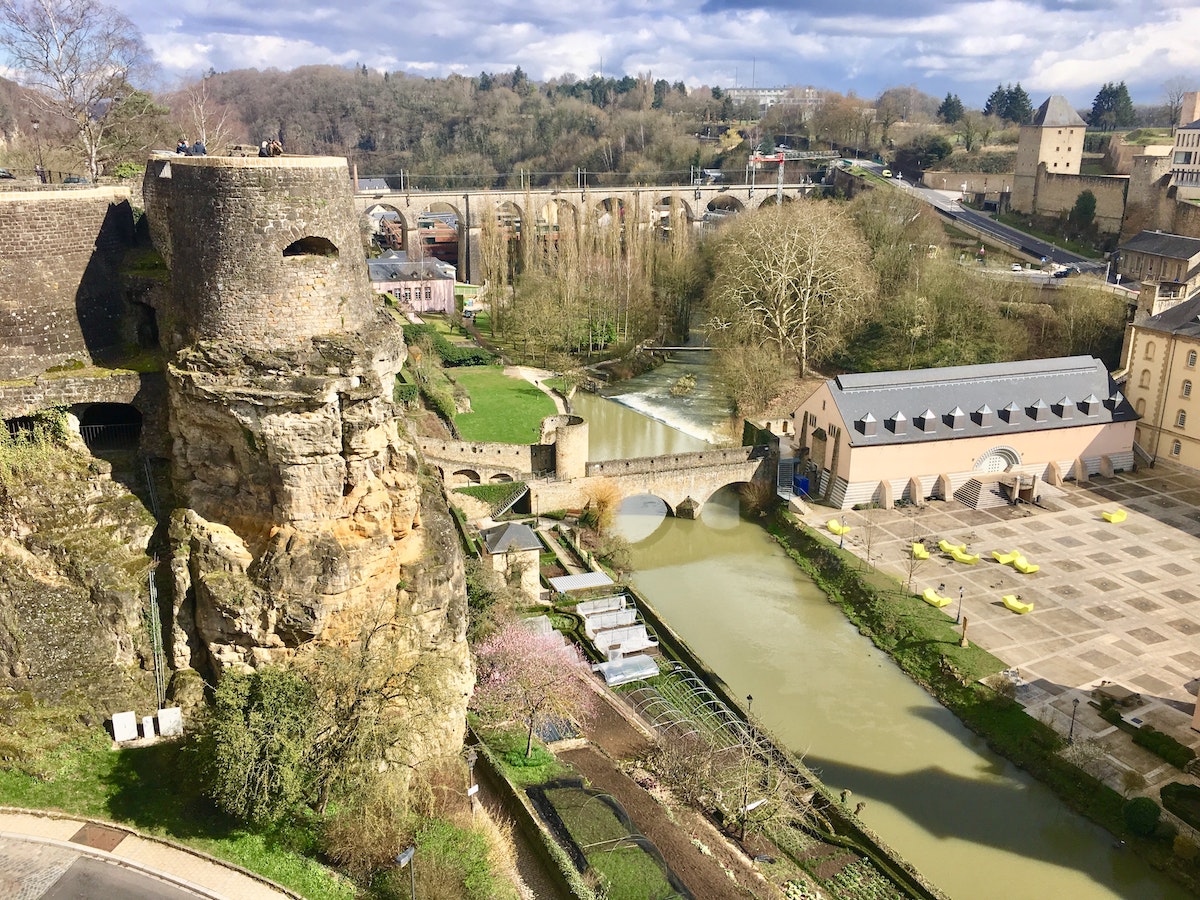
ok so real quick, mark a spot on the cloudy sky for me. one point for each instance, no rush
(1050, 46)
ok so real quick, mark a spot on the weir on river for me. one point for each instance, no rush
(974, 824)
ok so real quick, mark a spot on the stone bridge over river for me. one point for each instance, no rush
(560, 476)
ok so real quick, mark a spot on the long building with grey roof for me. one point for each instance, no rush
(911, 435)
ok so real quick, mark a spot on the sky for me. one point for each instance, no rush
(1068, 47)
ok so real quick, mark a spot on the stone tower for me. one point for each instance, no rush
(1053, 139)
(301, 514)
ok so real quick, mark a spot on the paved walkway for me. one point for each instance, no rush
(50, 856)
(1117, 603)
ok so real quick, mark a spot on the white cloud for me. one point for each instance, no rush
(1050, 46)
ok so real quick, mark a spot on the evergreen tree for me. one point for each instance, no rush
(1112, 108)
(1018, 107)
(951, 109)
(997, 102)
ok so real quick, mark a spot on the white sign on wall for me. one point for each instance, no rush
(170, 722)
(125, 726)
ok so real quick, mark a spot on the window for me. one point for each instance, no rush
(1187, 388)
(1149, 350)
(1144, 381)
(1140, 407)
(1191, 359)
(1180, 419)
(1175, 448)
(428, 293)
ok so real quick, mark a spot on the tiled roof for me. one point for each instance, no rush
(1159, 243)
(509, 537)
(1057, 112)
(1183, 319)
(971, 401)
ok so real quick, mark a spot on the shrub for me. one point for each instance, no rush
(1141, 816)
(1165, 746)
(404, 393)
(1183, 800)
(450, 354)
(1185, 848)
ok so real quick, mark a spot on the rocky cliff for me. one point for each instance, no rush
(302, 515)
(73, 585)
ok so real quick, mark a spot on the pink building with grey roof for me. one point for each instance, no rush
(995, 430)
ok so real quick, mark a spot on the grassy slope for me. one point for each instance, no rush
(149, 789)
(508, 410)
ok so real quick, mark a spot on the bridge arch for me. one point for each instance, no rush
(464, 478)
(388, 225)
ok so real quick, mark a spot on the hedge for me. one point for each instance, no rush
(1161, 745)
(451, 355)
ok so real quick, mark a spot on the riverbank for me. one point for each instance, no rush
(925, 644)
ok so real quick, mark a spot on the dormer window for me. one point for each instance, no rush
(1089, 405)
(898, 423)
(956, 418)
(866, 425)
(1039, 411)
(1063, 408)
(927, 421)
(984, 417)
(1011, 413)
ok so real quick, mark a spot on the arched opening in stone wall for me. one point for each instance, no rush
(110, 426)
(387, 227)
(464, 477)
(439, 231)
(720, 209)
(501, 478)
(311, 246)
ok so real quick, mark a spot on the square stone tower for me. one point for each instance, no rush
(1053, 139)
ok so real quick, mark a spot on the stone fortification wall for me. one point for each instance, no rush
(514, 458)
(60, 298)
(266, 252)
(674, 463)
(1056, 195)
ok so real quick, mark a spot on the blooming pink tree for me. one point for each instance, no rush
(530, 677)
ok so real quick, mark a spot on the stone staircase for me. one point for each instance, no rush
(978, 494)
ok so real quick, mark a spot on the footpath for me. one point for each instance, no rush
(50, 855)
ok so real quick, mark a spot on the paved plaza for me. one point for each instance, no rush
(1112, 602)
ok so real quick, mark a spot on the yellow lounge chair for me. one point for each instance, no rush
(933, 598)
(963, 557)
(1116, 517)
(919, 551)
(1005, 559)
(837, 527)
(1013, 602)
(945, 546)
(1024, 566)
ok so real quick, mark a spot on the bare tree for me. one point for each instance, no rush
(1173, 90)
(792, 277)
(79, 57)
(201, 117)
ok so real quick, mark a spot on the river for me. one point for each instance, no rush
(974, 824)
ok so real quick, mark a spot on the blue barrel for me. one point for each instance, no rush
(800, 485)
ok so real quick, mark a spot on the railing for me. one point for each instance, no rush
(120, 436)
(155, 617)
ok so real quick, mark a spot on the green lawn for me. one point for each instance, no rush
(507, 410)
(150, 789)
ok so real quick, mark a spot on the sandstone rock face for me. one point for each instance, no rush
(73, 587)
(301, 518)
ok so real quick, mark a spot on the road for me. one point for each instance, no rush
(943, 201)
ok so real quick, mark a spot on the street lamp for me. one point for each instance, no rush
(406, 859)
(958, 615)
(1071, 733)
(37, 139)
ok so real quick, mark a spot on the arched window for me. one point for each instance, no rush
(1187, 388)
(1175, 448)
(1149, 353)
(1191, 359)
(311, 246)
(1144, 381)
(1140, 406)
(1181, 419)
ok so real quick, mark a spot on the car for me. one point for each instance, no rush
(1064, 273)
(1016, 267)
(75, 179)
(886, 173)
(4, 173)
